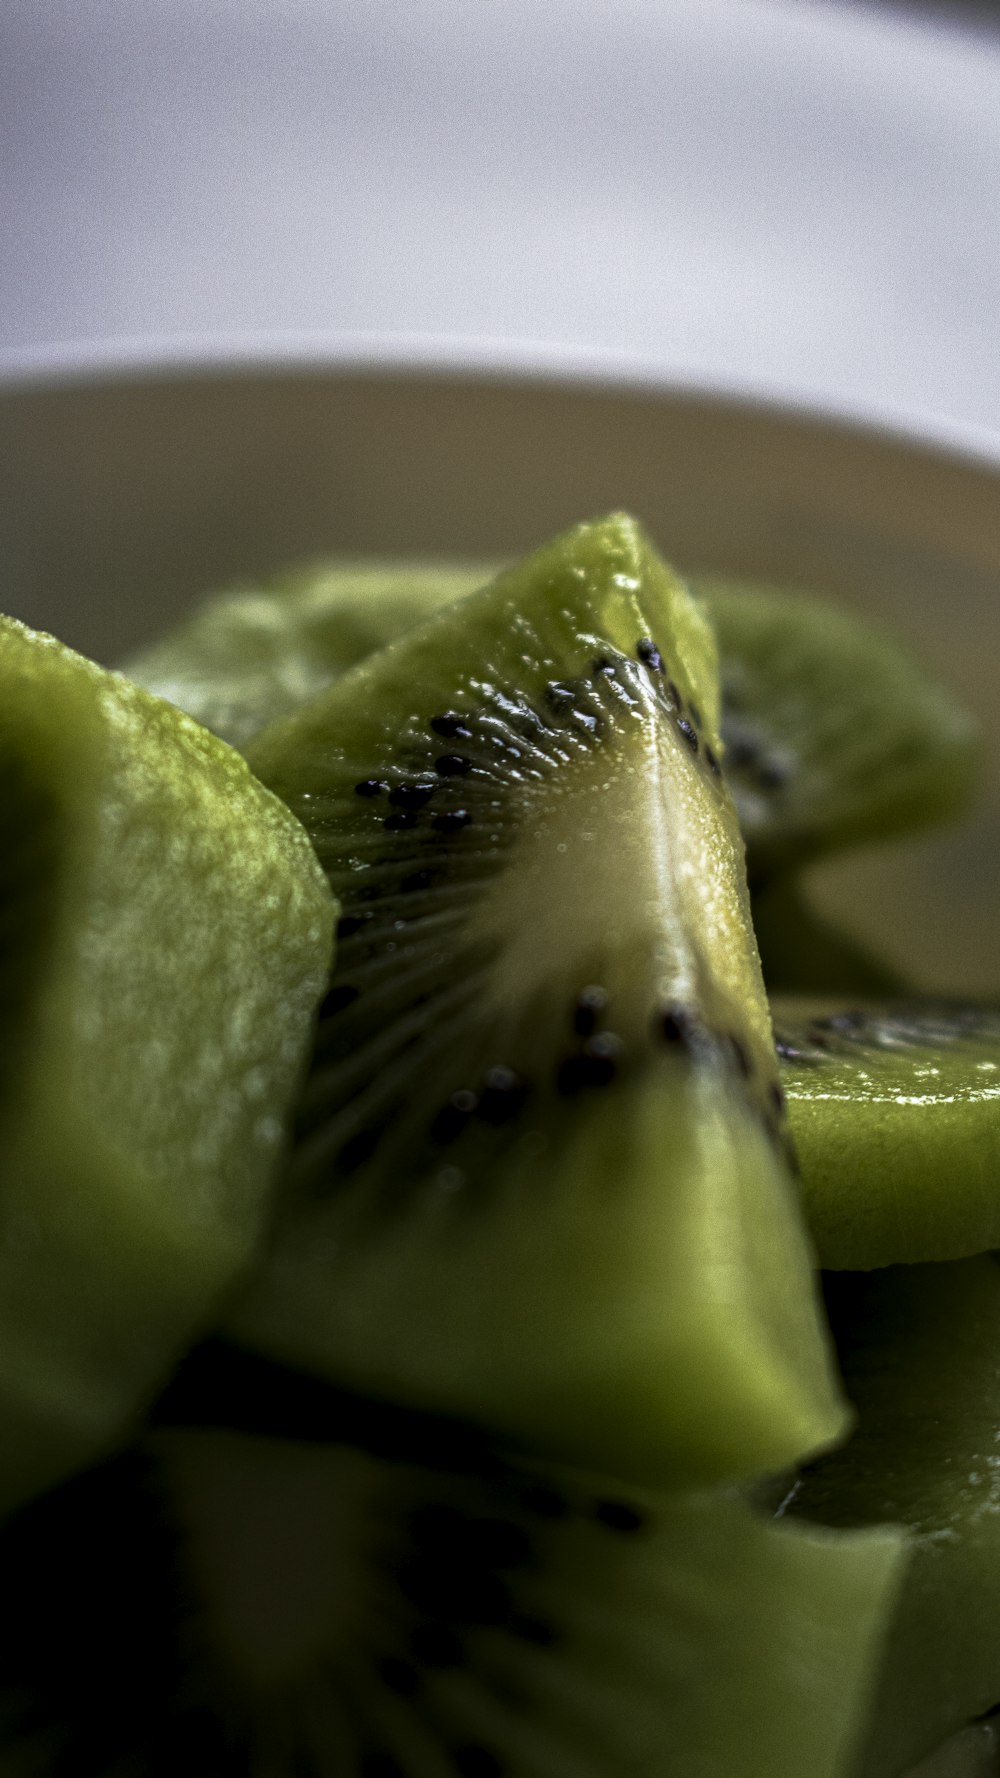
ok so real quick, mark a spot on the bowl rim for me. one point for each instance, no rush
(424, 357)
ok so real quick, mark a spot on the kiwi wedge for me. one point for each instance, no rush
(540, 1175)
(833, 734)
(403, 1609)
(248, 656)
(894, 1107)
(918, 1346)
(165, 934)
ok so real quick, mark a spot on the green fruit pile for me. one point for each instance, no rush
(491, 1285)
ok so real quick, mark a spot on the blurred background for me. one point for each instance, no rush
(799, 196)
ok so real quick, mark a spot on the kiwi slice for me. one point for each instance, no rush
(894, 1108)
(399, 1610)
(164, 937)
(918, 1345)
(539, 1178)
(972, 1753)
(833, 733)
(248, 656)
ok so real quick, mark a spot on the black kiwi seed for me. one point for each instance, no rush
(496, 1543)
(349, 924)
(417, 879)
(381, 1765)
(559, 696)
(450, 726)
(771, 774)
(452, 765)
(399, 1676)
(589, 1005)
(688, 732)
(400, 820)
(648, 652)
(337, 998)
(533, 1630)
(475, 1761)
(370, 787)
(594, 1066)
(618, 1516)
(675, 1025)
(357, 1150)
(502, 1097)
(472, 1760)
(435, 1527)
(602, 665)
(436, 1645)
(412, 796)
(453, 1117)
(450, 820)
(544, 1502)
(673, 694)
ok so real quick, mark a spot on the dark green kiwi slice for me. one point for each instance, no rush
(895, 1111)
(247, 656)
(164, 937)
(328, 1610)
(833, 734)
(973, 1753)
(920, 1350)
(540, 1177)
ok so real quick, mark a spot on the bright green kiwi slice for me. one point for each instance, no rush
(833, 734)
(406, 1610)
(895, 1111)
(920, 1349)
(540, 1178)
(164, 937)
(246, 657)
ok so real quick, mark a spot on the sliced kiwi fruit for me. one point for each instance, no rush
(894, 1107)
(336, 1610)
(246, 657)
(919, 1348)
(973, 1753)
(165, 934)
(540, 1174)
(833, 733)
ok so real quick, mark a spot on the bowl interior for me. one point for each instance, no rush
(121, 501)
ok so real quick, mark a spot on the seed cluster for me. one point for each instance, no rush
(687, 717)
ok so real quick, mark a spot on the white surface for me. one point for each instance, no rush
(779, 193)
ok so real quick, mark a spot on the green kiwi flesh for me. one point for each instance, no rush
(894, 1107)
(918, 1346)
(246, 657)
(539, 1178)
(833, 734)
(161, 918)
(329, 1610)
(972, 1753)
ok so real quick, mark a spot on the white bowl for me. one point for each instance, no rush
(129, 486)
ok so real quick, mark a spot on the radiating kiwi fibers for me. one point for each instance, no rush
(222, 1604)
(540, 1175)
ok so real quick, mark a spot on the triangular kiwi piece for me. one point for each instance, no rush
(540, 1174)
(247, 656)
(834, 734)
(165, 934)
(895, 1110)
(328, 1610)
(919, 1346)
